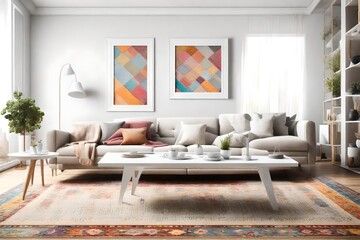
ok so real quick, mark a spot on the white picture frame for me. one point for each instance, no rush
(127, 100)
(189, 93)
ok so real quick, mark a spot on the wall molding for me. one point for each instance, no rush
(165, 11)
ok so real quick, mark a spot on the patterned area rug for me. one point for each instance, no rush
(319, 207)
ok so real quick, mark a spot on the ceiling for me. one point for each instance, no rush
(169, 7)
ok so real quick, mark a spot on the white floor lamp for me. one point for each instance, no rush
(76, 90)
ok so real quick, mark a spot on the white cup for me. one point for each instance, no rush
(173, 153)
(181, 155)
(213, 154)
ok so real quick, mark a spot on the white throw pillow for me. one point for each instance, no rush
(238, 140)
(240, 122)
(262, 126)
(191, 134)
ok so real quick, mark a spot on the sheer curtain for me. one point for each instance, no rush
(273, 65)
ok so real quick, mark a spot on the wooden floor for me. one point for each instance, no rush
(12, 177)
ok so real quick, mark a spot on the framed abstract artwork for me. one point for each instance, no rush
(199, 68)
(131, 74)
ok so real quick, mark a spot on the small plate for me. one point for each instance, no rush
(177, 157)
(213, 159)
(133, 155)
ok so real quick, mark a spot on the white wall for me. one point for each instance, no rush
(81, 41)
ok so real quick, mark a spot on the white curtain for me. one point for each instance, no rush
(273, 65)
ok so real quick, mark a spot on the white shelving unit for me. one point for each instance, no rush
(332, 108)
(350, 43)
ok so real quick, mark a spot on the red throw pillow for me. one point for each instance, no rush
(117, 136)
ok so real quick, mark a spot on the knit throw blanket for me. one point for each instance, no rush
(84, 137)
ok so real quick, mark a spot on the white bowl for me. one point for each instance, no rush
(213, 154)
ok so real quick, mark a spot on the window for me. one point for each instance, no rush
(273, 74)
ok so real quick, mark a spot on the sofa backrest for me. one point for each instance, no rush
(169, 128)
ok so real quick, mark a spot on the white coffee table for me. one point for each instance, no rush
(133, 168)
(33, 158)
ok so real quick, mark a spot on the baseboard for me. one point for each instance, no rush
(9, 164)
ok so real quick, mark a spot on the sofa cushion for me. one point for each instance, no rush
(134, 136)
(108, 129)
(66, 151)
(102, 149)
(262, 126)
(191, 134)
(283, 143)
(180, 148)
(291, 124)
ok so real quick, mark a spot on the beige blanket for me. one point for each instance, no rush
(84, 137)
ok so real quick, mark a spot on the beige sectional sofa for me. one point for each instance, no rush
(301, 147)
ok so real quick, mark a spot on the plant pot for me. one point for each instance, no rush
(21, 142)
(199, 151)
(34, 150)
(225, 153)
(357, 143)
(356, 101)
(353, 151)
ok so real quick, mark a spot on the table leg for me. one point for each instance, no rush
(266, 180)
(33, 172)
(42, 171)
(29, 176)
(135, 179)
(126, 176)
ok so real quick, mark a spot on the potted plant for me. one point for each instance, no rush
(225, 146)
(23, 115)
(199, 150)
(355, 90)
(333, 84)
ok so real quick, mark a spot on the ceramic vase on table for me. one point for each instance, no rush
(225, 153)
(199, 150)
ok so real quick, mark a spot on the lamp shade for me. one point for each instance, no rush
(76, 90)
(70, 71)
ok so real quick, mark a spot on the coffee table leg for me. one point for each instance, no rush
(126, 176)
(135, 179)
(42, 171)
(266, 180)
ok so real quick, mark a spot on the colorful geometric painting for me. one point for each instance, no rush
(130, 75)
(198, 68)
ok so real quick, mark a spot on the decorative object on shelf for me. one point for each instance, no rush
(130, 74)
(76, 90)
(225, 146)
(355, 59)
(199, 150)
(333, 61)
(199, 68)
(333, 84)
(353, 115)
(23, 115)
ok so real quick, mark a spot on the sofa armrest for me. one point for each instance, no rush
(56, 139)
(306, 131)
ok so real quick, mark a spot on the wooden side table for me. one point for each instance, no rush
(33, 158)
